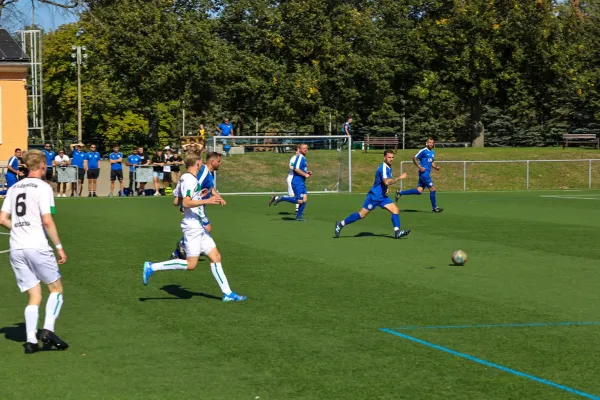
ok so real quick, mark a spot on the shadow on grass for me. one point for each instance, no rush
(411, 211)
(180, 293)
(366, 234)
(15, 333)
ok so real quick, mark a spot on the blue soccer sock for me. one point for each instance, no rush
(288, 199)
(396, 221)
(409, 191)
(432, 198)
(351, 219)
(300, 210)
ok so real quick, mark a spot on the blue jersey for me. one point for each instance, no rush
(77, 158)
(115, 156)
(379, 188)
(225, 129)
(206, 179)
(14, 163)
(49, 157)
(426, 158)
(92, 157)
(300, 164)
(135, 160)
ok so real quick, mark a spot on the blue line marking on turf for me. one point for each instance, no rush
(413, 328)
(492, 365)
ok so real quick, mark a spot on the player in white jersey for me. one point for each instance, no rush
(290, 176)
(27, 212)
(197, 241)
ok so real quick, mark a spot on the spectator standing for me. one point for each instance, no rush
(144, 160)
(132, 161)
(202, 132)
(92, 160)
(225, 128)
(158, 162)
(116, 170)
(167, 168)
(22, 168)
(176, 163)
(61, 161)
(13, 173)
(50, 154)
(345, 130)
(78, 160)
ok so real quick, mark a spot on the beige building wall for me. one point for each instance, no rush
(13, 110)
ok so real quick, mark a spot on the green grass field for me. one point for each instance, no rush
(311, 326)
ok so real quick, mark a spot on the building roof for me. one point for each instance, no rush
(10, 51)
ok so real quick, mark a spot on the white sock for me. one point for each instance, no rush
(31, 321)
(219, 275)
(171, 264)
(53, 306)
(297, 207)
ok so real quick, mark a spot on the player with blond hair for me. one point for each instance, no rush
(197, 240)
(27, 212)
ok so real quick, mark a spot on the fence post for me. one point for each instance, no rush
(464, 176)
(589, 174)
(527, 177)
(349, 164)
(401, 180)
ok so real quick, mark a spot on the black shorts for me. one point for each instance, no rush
(116, 174)
(93, 173)
(167, 177)
(49, 174)
(81, 174)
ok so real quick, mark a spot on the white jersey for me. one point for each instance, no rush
(26, 202)
(61, 161)
(291, 167)
(190, 187)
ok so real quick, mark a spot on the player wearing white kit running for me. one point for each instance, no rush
(197, 241)
(27, 213)
(290, 176)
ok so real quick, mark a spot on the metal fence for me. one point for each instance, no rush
(510, 174)
(68, 174)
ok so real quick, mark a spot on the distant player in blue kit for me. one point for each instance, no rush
(301, 173)
(424, 160)
(377, 197)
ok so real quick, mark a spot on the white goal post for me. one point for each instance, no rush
(260, 164)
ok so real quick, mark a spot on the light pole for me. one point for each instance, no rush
(79, 56)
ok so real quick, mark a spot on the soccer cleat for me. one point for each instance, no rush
(120, 193)
(110, 194)
(273, 200)
(148, 271)
(398, 195)
(338, 228)
(94, 194)
(233, 297)
(437, 210)
(31, 348)
(49, 337)
(301, 219)
(174, 256)
(89, 194)
(400, 234)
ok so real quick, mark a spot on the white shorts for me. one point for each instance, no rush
(32, 266)
(290, 190)
(197, 241)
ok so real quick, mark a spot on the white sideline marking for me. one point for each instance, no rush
(573, 197)
(4, 233)
(4, 251)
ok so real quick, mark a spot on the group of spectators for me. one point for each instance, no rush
(165, 163)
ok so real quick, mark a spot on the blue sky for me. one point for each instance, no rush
(49, 17)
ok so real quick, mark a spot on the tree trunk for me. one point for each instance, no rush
(477, 137)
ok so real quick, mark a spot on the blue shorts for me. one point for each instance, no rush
(11, 180)
(299, 190)
(425, 181)
(372, 201)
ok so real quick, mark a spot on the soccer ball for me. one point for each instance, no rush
(459, 257)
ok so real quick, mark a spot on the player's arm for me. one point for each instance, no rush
(5, 219)
(52, 233)
(434, 165)
(297, 169)
(391, 181)
(416, 162)
(11, 169)
(214, 193)
(188, 202)
(85, 163)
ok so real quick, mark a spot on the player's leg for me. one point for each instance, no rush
(393, 208)
(432, 198)
(121, 185)
(192, 249)
(418, 190)
(291, 192)
(349, 220)
(90, 178)
(301, 201)
(113, 178)
(217, 270)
